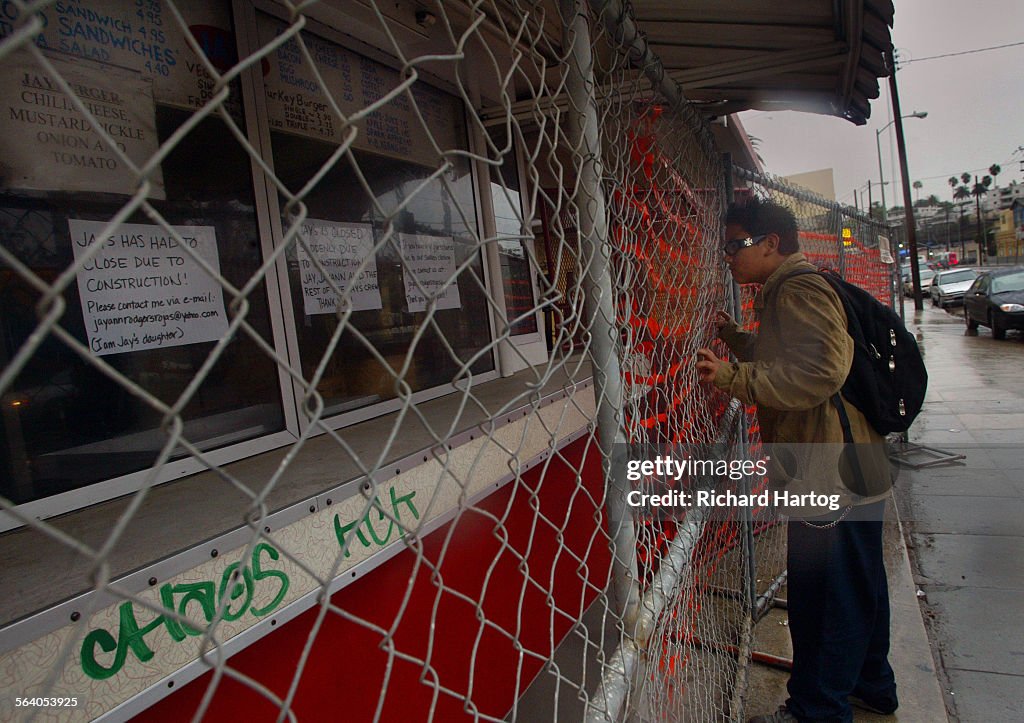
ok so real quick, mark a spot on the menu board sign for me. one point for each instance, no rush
(144, 36)
(300, 102)
(49, 144)
(120, 59)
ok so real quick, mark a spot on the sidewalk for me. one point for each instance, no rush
(965, 522)
(911, 656)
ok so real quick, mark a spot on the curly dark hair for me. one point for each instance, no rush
(757, 217)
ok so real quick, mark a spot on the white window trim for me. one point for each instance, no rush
(248, 30)
(281, 312)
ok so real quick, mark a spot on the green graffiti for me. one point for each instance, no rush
(130, 636)
(258, 573)
(239, 589)
(202, 593)
(367, 531)
(236, 592)
(174, 628)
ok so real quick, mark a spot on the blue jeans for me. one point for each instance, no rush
(838, 601)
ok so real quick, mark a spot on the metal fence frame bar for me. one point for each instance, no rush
(608, 701)
(803, 194)
(613, 693)
(589, 202)
(749, 593)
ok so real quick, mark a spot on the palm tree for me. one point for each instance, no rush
(953, 183)
(965, 177)
(917, 187)
(979, 189)
(755, 143)
(961, 194)
(995, 170)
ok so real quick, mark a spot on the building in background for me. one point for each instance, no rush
(1000, 198)
(821, 182)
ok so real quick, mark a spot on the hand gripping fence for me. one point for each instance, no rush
(326, 331)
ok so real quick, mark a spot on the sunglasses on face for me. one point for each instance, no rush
(729, 248)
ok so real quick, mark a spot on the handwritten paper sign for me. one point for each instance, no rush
(47, 144)
(428, 263)
(340, 248)
(885, 250)
(143, 291)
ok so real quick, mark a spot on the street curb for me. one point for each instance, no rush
(910, 650)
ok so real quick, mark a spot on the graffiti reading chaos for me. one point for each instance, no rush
(237, 589)
(104, 654)
(370, 533)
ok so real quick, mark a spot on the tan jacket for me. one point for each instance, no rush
(790, 369)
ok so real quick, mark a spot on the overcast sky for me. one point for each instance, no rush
(975, 106)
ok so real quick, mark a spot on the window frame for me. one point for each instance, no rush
(538, 335)
(120, 485)
(276, 283)
(247, 15)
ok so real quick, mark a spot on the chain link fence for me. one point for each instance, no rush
(837, 237)
(857, 247)
(345, 322)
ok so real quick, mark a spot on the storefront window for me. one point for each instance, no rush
(143, 305)
(512, 243)
(374, 240)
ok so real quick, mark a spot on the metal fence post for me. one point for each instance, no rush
(840, 245)
(895, 282)
(900, 296)
(746, 518)
(589, 202)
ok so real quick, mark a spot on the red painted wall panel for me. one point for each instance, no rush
(479, 599)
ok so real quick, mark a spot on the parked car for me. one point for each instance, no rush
(996, 300)
(948, 287)
(926, 279)
(905, 268)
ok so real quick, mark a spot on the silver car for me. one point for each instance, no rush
(948, 287)
(926, 278)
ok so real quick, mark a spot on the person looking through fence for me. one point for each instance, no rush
(793, 369)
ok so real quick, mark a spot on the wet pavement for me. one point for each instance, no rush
(964, 522)
(920, 696)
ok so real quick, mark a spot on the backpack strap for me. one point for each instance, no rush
(840, 406)
(836, 399)
(844, 421)
(799, 272)
(791, 274)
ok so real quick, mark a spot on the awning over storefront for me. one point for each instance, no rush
(819, 56)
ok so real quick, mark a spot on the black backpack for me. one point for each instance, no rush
(888, 379)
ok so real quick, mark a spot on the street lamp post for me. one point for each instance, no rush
(878, 145)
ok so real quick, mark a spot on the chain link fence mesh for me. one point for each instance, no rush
(327, 227)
